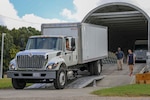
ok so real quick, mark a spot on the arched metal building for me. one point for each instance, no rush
(126, 23)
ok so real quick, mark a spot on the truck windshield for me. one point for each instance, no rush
(54, 43)
(141, 47)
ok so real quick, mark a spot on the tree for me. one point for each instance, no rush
(22, 34)
(15, 40)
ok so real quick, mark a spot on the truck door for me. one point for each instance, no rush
(74, 51)
(70, 54)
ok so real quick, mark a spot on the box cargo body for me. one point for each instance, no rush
(92, 39)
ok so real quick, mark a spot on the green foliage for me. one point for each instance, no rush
(5, 83)
(133, 90)
(13, 52)
(15, 40)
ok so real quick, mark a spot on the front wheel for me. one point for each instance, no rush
(61, 79)
(18, 83)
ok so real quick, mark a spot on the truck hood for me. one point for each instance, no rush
(37, 52)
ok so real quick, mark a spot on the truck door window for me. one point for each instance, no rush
(73, 44)
(68, 45)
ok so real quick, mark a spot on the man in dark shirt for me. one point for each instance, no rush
(120, 56)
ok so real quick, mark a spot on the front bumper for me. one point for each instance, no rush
(140, 59)
(32, 74)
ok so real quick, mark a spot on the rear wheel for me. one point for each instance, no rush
(97, 67)
(61, 79)
(91, 68)
(18, 83)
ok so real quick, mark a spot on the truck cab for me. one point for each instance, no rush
(41, 60)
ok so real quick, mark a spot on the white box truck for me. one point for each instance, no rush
(61, 49)
(140, 50)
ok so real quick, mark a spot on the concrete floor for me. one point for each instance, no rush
(113, 77)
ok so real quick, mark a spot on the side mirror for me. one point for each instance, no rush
(73, 46)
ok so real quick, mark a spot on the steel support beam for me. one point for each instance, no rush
(120, 19)
(148, 36)
(117, 14)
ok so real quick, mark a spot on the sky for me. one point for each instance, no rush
(25, 13)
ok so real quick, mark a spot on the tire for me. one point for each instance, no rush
(18, 83)
(97, 67)
(91, 68)
(61, 79)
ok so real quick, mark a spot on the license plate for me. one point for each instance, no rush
(36, 74)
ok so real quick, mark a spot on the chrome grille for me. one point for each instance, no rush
(141, 54)
(36, 61)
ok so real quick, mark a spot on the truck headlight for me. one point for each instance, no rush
(52, 65)
(12, 67)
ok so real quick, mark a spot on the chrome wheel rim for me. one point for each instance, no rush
(99, 68)
(62, 78)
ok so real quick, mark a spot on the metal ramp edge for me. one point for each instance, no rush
(84, 81)
(40, 85)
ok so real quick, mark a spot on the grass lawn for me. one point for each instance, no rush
(5, 83)
(134, 90)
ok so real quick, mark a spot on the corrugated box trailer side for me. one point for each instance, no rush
(93, 42)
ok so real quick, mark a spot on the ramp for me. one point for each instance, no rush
(84, 81)
(78, 83)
